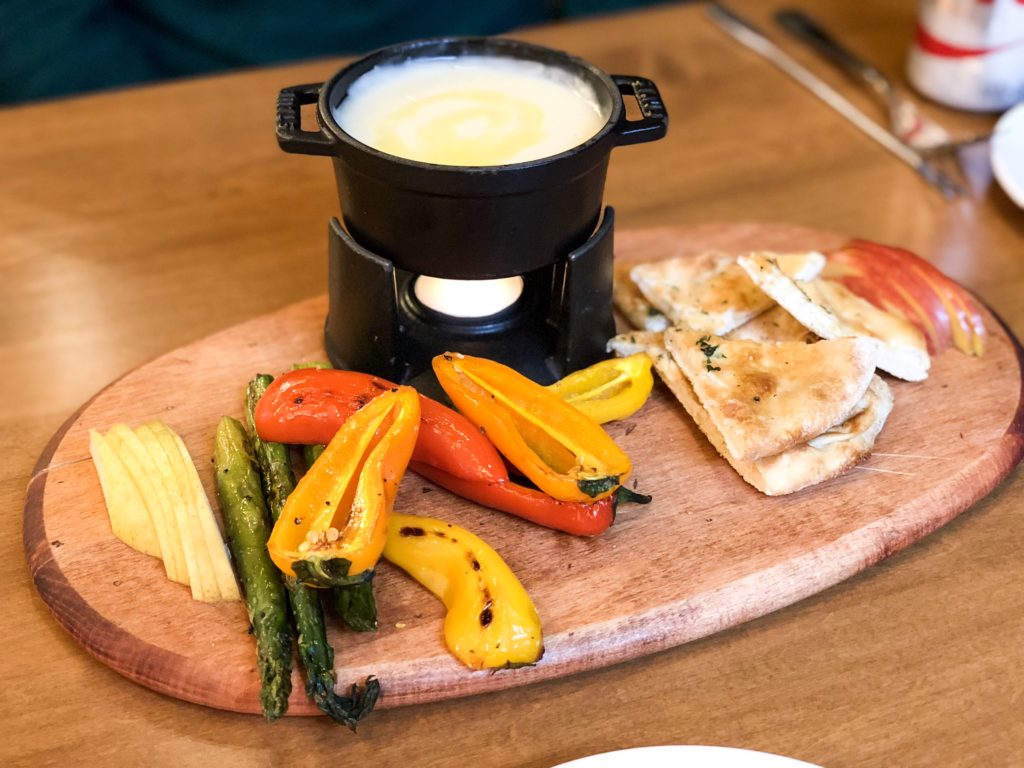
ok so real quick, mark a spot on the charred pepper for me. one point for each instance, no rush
(563, 452)
(491, 621)
(309, 406)
(332, 529)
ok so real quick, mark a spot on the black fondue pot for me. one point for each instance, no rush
(470, 222)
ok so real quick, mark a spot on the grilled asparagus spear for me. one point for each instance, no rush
(356, 606)
(315, 652)
(245, 518)
(311, 453)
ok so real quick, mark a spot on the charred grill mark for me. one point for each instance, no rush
(486, 615)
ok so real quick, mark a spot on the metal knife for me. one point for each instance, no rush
(748, 35)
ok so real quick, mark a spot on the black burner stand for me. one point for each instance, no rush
(561, 322)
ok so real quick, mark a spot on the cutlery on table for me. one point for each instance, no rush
(748, 35)
(906, 121)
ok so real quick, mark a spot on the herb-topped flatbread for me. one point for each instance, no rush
(774, 325)
(822, 458)
(832, 311)
(765, 397)
(630, 302)
(709, 292)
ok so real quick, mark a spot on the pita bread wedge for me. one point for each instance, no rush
(632, 304)
(826, 456)
(822, 458)
(832, 311)
(632, 342)
(710, 292)
(765, 397)
(774, 325)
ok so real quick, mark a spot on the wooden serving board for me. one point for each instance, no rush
(708, 553)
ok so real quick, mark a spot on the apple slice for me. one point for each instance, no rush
(207, 530)
(142, 468)
(966, 324)
(899, 281)
(193, 546)
(129, 516)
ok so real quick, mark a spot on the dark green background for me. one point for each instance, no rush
(57, 47)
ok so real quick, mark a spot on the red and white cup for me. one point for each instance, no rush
(969, 54)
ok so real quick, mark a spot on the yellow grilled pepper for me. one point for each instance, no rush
(565, 453)
(609, 390)
(334, 524)
(491, 621)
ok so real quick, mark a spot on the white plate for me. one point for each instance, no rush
(685, 757)
(1007, 151)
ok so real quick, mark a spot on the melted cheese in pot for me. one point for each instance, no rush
(470, 110)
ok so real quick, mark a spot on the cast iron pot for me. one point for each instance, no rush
(470, 222)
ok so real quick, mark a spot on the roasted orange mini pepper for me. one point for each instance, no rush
(334, 524)
(308, 406)
(610, 390)
(491, 620)
(563, 452)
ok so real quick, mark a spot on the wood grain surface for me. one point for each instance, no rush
(708, 553)
(142, 220)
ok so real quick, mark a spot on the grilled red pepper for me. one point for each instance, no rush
(308, 405)
(528, 503)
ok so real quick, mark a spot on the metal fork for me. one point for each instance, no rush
(906, 121)
(744, 32)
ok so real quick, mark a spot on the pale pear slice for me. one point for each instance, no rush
(822, 458)
(765, 397)
(213, 539)
(832, 311)
(197, 559)
(129, 516)
(144, 471)
(774, 325)
(710, 292)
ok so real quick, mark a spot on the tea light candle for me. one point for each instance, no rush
(468, 298)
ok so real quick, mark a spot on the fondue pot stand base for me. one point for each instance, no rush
(560, 323)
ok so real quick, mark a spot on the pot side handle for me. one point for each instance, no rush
(290, 136)
(654, 121)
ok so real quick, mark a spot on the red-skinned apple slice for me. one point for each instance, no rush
(898, 281)
(873, 279)
(966, 324)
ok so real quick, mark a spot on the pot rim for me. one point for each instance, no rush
(433, 47)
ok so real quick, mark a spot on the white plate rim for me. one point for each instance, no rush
(1007, 153)
(685, 756)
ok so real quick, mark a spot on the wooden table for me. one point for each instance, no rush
(134, 222)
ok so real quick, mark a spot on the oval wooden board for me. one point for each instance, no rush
(710, 552)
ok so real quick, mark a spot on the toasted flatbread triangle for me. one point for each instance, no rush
(829, 454)
(832, 311)
(774, 325)
(632, 304)
(708, 292)
(821, 459)
(765, 397)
